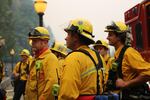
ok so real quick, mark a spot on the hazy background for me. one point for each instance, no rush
(99, 12)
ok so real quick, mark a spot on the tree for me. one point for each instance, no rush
(17, 18)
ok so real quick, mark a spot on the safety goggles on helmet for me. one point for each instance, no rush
(118, 27)
(98, 42)
(101, 43)
(25, 52)
(75, 29)
(36, 33)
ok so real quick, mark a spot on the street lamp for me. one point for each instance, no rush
(40, 6)
(12, 53)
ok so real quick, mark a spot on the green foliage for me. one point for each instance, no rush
(17, 17)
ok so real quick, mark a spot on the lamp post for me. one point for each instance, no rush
(12, 53)
(40, 6)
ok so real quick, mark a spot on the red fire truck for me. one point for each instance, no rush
(138, 20)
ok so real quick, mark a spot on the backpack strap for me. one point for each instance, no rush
(119, 61)
(27, 69)
(19, 71)
(97, 66)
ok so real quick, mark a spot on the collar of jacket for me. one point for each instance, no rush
(83, 47)
(106, 57)
(118, 51)
(42, 53)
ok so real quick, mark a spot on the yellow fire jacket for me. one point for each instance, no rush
(60, 68)
(23, 67)
(42, 77)
(109, 60)
(79, 75)
(133, 64)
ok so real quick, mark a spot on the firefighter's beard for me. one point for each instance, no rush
(71, 45)
(113, 43)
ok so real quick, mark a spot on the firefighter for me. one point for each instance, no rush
(42, 69)
(79, 73)
(60, 50)
(20, 74)
(102, 47)
(133, 72)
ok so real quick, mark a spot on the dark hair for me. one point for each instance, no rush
(121, 36)
(84, 40)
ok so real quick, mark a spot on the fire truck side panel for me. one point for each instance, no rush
(138, 19)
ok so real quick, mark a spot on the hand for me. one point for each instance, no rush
(121, 83)
(16, 74)
(41, 97)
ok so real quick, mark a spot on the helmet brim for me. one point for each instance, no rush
(109, 30)
(89, 37)
(100, 45)
(43, 38)
(24, 55)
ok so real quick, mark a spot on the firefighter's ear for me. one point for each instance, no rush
(118, 38)
(76, 38)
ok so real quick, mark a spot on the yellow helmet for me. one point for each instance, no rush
(101, 43)
(60, 48)
(39, 32)
(118, 27)
(25, 52)
(82, 27)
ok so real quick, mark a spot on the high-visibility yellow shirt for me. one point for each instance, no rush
(133, 64)
(79, 75)
(41, 79)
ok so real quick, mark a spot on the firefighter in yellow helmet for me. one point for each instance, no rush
(79, 74)
(20, 74)
(102, 47)
(42, 69)
(133, 72)
(60, 50)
